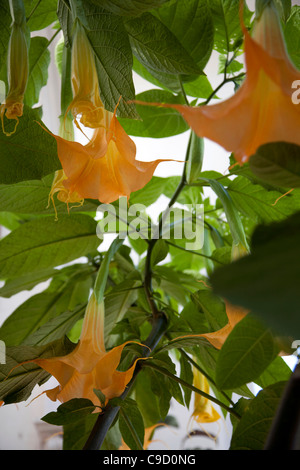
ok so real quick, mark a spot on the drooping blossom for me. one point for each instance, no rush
(262, 110)
(17, 65)
(204, 412)
(86, 102)
(106, 167)
(89, 366)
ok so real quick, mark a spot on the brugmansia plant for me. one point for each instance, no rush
(197, 306)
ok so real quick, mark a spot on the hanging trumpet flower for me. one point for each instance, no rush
(86, 101)
(17, 65)
(262, 110)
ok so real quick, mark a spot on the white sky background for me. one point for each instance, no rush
(17, 422)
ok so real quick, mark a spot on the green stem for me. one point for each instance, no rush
(191, 387)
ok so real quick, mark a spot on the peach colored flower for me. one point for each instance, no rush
(105, 168)
(262, 110)
(89, 366)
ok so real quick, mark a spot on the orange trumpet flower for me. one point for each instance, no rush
(105, 168)
(262, 110)
(89, 366)
(204, 412)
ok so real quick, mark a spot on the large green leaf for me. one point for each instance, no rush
(40, 14)
(191, 22)
(28, 154)
(33, 322)
(226, 21)
(39, 60)
(291, 31)
(70, 412)
(246, 353)
(17, 378)
(252, 430)
(157, 48)
(129, 7)
(131, 423)
(32, 197)
(267, 280)
(5, 22)
(44, 243)
(110, 43)
(156, 122)
(278, 164)
(260, 204)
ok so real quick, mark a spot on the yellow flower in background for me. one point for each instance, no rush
(86, 98)
(89, 366)
(17, 76)
(262, 110)
(204, 412)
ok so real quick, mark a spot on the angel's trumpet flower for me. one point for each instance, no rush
(89, 366)
(263, 109)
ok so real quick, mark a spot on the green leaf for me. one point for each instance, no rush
(252, 430)
(156, 122)
(157, 48)
(150, 192)
(77, 433)
(246, 353)
(44, 243)
(18, 379)
(227, 23)
(28, 154)
(159, 252)
(212, 306)
(39, 60)
(259, 204)
(129, 7)
(5, 22)
(42, 16)
(49, 315)
(278, 164)
(147, 401)
(70, 412)
(32, 197)
(110, 43)
(26, 282)
(266, 281)
(191, 22)
(131, 424)
(291, 31)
